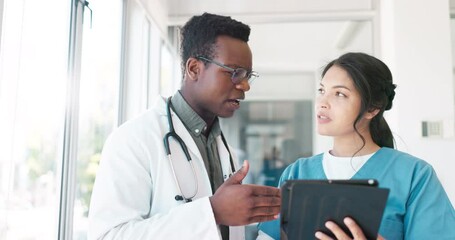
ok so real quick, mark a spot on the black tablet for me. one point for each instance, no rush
(308, 204)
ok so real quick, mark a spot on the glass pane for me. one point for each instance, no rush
(33, 67)
(166, 78)
(98, 108)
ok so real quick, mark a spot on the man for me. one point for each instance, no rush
(141, 192)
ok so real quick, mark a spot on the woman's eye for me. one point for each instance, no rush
(320, 91)
(340, 94)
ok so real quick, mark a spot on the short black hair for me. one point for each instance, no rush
(199, 34)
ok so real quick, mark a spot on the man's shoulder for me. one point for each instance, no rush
(143, 125)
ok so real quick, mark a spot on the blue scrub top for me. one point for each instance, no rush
(417, 207)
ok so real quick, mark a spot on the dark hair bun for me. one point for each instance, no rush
(390, 92)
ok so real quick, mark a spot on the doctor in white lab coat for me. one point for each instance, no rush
(135, 187)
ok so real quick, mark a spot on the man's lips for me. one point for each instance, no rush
(234, 101)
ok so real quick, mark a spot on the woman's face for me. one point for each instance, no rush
(337, 104)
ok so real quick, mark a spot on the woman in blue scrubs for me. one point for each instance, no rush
(354, 92)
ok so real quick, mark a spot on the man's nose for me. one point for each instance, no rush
(243, 85)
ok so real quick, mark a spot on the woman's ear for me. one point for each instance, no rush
(192, 68)
(370, 114)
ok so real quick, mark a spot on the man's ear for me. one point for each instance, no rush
(370, 114)
(192, 68)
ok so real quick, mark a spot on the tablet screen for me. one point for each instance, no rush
(308, 204)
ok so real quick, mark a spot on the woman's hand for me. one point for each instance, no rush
(355, 230)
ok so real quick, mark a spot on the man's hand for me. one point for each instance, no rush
(235, 204)
(355, 229)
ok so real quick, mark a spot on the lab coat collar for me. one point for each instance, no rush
(187, 138)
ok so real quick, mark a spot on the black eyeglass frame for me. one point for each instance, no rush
(249, 75)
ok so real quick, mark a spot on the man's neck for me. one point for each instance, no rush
(208, 119)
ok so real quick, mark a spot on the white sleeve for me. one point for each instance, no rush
(188, 221)
(122, 198)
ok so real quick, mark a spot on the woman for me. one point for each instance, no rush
(354, 92)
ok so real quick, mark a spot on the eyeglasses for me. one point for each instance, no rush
(238, 74)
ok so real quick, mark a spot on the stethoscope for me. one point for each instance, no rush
(182, 144)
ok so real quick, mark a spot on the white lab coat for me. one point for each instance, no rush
(134, 190)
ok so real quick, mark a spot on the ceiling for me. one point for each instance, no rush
(305, 34)
(294, 35)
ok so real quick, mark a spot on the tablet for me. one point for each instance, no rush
(307, 204)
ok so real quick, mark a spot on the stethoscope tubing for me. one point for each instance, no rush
(182, 196)
(178, 139)
(173, 134)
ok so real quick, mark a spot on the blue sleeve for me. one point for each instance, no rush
(272, 228)
(429, 213)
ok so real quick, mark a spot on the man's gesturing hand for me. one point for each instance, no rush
(235, 204)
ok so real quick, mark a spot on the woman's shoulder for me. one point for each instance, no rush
(394, 153)
(306, 161)
(401, 158)
(305, 167)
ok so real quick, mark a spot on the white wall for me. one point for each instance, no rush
(416, 45)
(282, 86)
(157, 11)
(145, 26)
(1, 18)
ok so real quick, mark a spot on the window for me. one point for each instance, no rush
(34, 87)
(33, 77)
(98, 101)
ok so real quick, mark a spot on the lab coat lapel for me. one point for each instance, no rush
(179, 128)
(224, 158)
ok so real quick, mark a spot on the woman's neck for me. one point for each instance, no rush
(353, 146)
